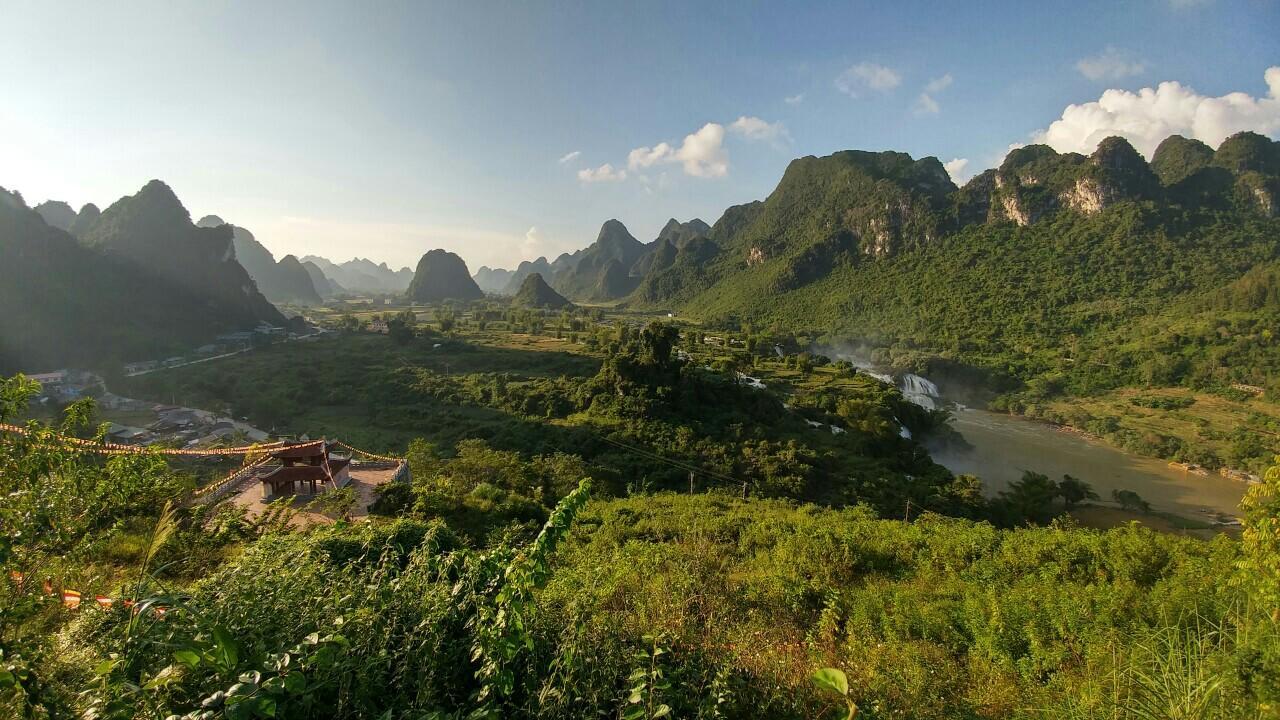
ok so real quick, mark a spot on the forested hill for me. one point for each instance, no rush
(1086, 270)
(143, 281)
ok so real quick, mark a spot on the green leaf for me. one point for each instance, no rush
(190, 658)
(226, 652)
(295, 683)
(832, 680)
(266, 707)
(662, 711)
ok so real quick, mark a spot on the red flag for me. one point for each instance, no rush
(104, 602)
(71, 598)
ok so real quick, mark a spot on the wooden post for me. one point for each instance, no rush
(690, 482)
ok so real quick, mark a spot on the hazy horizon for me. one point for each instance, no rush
(507, 133)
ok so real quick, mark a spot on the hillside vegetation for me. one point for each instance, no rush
(500, 584)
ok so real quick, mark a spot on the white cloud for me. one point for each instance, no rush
(926, 104)
(643, 157)
(794, 99)
(865, 76)
(570, 157)
(956, 169)
(604, 173)
(1148, 116)
(753, 128)
(938, 84)
(702, 153)
(533, 244)
(1110, 64)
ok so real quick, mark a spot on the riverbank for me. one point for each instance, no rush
(1003, 447)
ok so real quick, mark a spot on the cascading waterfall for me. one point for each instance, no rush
(920, 391)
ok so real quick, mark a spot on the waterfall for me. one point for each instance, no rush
(920, 391)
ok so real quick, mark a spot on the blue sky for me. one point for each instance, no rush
(387, 129)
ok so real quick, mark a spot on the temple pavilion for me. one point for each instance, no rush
(306, 469)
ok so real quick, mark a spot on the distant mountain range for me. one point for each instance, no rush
(359, 275)
(283, 282)
(608, 269)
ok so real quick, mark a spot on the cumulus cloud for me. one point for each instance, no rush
(569, 157)
(702, 153)
(1148, 116)
(1110, 64)
(956, 169)
(794, 99)
(753, 128)
(867, 76)
(604, 173)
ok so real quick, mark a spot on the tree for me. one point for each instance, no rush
(337, 503)
(1260, 541)
(1073, 490)
(348, 323)
(402, 327)
(1030, 499)
(1131, 501)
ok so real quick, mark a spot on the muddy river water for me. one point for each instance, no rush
(1004, 446)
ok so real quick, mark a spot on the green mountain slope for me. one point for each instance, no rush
(442, 275)
(68, 304)
(601, 270)
(1067, 272)
(536, 293)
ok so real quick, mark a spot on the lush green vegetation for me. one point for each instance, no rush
(491, 587)
(624, 401)
(1151, 286)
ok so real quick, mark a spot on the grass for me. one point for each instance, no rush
(1208, 423)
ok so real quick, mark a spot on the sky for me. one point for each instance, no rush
(505, 131)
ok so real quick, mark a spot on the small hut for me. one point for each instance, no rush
(305, 469)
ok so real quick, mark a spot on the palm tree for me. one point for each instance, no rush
(1073, 490)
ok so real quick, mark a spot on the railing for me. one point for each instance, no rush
(214, 491)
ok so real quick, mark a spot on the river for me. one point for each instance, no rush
(1004, 446)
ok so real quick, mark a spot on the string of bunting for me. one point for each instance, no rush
(72, 599)
(366, 453)
(109, 448)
